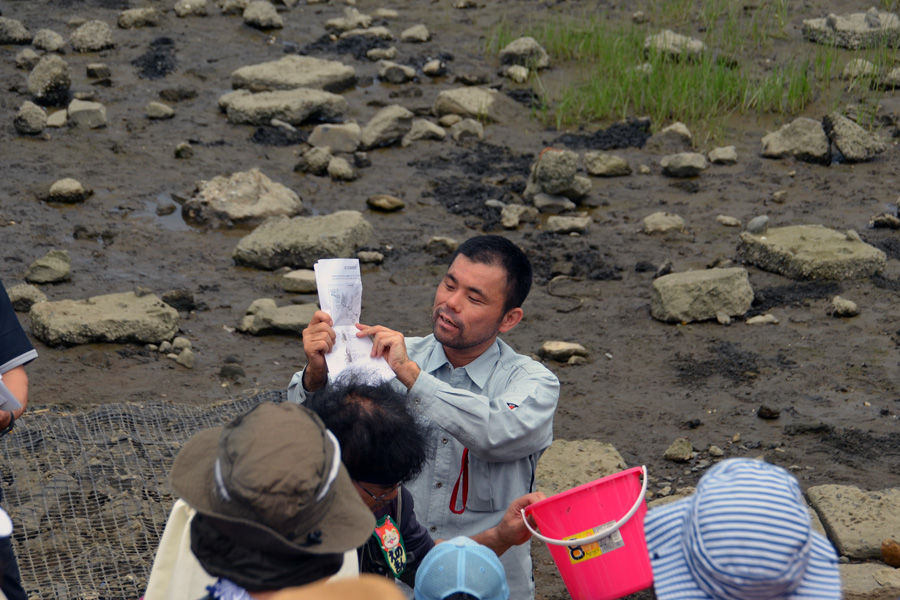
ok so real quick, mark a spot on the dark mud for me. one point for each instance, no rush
(834, 382)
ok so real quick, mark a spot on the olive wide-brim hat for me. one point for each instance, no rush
(272, 480)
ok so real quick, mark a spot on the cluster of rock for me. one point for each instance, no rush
(800, 252)
(811, 141)
(871, 29)
(859, 523)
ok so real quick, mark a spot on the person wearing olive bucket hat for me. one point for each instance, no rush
(744, 535)
(275, 507)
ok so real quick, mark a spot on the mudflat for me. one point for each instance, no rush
(831, 383)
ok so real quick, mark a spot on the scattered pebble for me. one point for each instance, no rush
(758, 225)
(562, 351)
(385, 202)
(841, 307)
(767, 412)
(370, 257)
(890, 552)
(441, 246)
(766, 319)
(680, 450)
(728, 221)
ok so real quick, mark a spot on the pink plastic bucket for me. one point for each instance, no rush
(595, 533)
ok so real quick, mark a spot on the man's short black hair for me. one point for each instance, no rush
(497, 250)
(381, 440)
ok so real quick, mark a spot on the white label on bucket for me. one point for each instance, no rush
(609, 543)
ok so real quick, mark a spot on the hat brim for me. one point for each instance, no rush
(347, 524)
(672, 579)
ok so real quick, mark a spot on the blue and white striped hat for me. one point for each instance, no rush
(744, 535)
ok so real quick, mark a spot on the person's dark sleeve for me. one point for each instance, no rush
(15, 347)
(416, 539)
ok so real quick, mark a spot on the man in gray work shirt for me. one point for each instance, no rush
(493, 407)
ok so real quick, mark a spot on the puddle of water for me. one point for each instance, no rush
(158, 213)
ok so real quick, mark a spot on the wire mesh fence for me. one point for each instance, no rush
(88, 492)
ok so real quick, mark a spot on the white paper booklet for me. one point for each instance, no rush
(340, 295)
(7, 400)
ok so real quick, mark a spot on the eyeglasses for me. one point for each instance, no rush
(378, 500)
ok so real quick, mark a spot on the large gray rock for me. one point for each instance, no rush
(92, 36)
(13, 32)
(417, 34)
(69, 191)
(475, 102)
(301, 281)
(386, 127)
(700, 295)
(374, 33)
(684, 164)
(870, 581)
(132, 18)
(352, 19)
(663, 222)
(245, 197)
(467, 129)
(802, 138)
(552, 173)
(423, 129)
(559, 224)
(525, 51)
(674, 44)
(295, 71)
(671, 139)
(811, 252)
(601, 164)
(265, 317)
(512, 215)
(857, 521)
(294, 106)
(851, 140)
(31, 119)
(53, 267)
(567, 464)
(50, 80)
(191, 8)
(393, 72)
(343, 137)
(261, 14)
(871, 29)
(48, 40)
(299, 242)
(86, 115)
(24, 296)
(120, 318)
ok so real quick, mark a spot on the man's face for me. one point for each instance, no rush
(468, 306)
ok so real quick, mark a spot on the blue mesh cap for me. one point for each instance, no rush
(744, 535)
(461, 565)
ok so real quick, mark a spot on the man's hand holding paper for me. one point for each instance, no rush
(331, 341)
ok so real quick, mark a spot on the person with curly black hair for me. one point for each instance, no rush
(384, 444)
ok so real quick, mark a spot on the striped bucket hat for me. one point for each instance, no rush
(744, 535)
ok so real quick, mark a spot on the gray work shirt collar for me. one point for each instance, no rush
(479, 370)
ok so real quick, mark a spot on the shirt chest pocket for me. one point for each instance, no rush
(481, 486)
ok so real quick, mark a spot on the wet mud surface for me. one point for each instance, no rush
(834, 382)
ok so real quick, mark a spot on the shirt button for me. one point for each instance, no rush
(444, 440)
(439, 484)
(417, 400)
(432, 529)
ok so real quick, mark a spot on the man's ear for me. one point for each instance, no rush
(511, 319)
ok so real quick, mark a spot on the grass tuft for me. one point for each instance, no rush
(741, 72)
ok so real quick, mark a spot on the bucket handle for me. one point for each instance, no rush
(605, 532)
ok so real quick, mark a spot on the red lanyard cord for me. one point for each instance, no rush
(464, 476)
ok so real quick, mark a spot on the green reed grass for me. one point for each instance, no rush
(731, 77)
